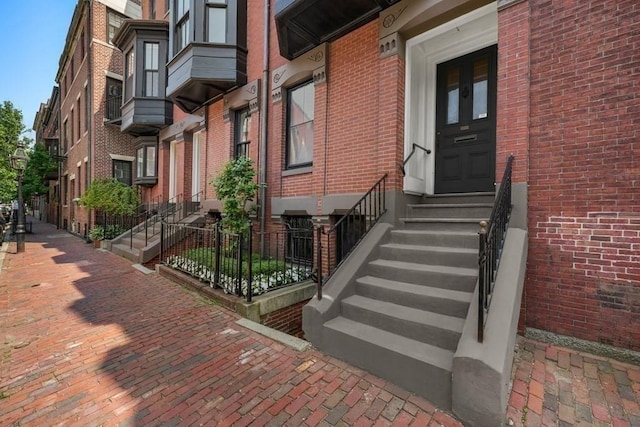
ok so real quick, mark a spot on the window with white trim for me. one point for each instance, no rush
(300, 116)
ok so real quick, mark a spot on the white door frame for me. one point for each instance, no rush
(465, 34)
(195, 166)
(173, 169)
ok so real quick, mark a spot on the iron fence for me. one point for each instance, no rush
(234, 262)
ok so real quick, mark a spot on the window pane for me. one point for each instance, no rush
(301, 144)
(151, 83)
(151, 161)
(453, 98)
(300, 132)
(480, 78)
(302, 102)
(139, 162)
(151, 56)
(216, 25)
(122, 171)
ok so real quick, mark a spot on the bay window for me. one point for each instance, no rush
(146, 160)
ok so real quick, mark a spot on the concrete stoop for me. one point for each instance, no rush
(400, 313)
(145, 245)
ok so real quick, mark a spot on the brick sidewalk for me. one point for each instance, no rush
(88, 341)
(555, 386)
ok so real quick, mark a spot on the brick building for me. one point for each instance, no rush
(47, 128)
(434, 96)
(89, 78)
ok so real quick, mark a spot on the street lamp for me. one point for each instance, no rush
(19, 161)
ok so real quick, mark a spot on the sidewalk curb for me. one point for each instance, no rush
(281, 337)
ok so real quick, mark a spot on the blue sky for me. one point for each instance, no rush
(31, 48)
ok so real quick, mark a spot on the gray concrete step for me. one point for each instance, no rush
(481, 197)
(123, 250)
(450, 210)
(433, 255)
(421, 368)
(437, 300)
(442, 224)
(461, 239)
(421, 325)
(439, 276)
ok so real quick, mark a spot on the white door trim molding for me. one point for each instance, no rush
(465, 34)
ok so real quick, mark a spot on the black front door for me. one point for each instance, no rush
(466, 123)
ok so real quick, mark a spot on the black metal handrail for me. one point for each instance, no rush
(347, 232)
(492, 237)
(413, 150)
(172, 210)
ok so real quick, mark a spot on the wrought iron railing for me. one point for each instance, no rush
(492, 236)
(413, 151)
(335, 244)
(173, 210)
(232, 261)
(112, 107)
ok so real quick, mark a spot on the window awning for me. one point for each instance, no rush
(305, 24)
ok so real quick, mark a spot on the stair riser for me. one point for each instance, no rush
(423, 302)
(124, 253)
(425, 278)
(470, 227)
(429, 334)
(453, 198)
(426, 211)
(428, 381)
(451, 259)
(467, 241)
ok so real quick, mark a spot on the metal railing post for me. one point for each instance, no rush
(482, 264)
(319, 262)
(161, 241)
(239, 265)
(218, 250)
(249, 265)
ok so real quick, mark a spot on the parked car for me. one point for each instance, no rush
(5, 212)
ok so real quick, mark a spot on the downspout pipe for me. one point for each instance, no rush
(89, 101)
(264, 101)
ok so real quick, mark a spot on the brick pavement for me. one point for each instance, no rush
(556, 386)
(88, 341)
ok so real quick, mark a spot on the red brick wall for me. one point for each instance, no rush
(583, 274)
(287, 319)
(512, 127)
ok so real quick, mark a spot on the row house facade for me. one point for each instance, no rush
(433, 97)
(47, 130)
(90, 79)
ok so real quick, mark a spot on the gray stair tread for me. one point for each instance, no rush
(434, 232)
(451, 205)
(125, 247)
(421, 290)
(425, 248)
(457, 195)
(450, 220)
(425, 353)
(460, 271)
(408, 314)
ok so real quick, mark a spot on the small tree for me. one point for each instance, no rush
(110, 196)
(235, 186)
